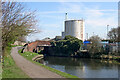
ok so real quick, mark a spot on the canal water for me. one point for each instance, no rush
(83, 68)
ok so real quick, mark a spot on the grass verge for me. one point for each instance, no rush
(10, 69)
(0, 70)
(30, 55)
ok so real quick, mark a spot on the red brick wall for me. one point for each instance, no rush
(33, 45)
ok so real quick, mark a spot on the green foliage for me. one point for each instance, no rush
(67, 47)
(53, 43)
(16, 45)
(10, 69)
(0, 70)
(28, 55)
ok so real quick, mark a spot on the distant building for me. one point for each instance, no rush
(107, 47)
(113, 47)
(74, 28)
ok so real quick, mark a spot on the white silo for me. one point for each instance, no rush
(74, 28)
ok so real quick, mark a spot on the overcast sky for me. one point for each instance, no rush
(51, 16)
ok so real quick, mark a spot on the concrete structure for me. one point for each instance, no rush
(74, 28)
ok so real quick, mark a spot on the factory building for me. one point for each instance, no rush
(74, 28)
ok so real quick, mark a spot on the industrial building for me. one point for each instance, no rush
(74, 28)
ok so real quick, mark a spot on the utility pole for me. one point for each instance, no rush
(86, 36)
(107, 31)
(93, 33)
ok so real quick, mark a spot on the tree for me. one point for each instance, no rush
(22, 39)
(118, 30)
(113, 35)
(118, 40)
(67, 47)
(16, 22)
(95, 47)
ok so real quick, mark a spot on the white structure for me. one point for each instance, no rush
(74, 28)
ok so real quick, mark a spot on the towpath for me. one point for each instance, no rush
(31, 69)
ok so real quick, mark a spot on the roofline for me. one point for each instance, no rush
(75, 20)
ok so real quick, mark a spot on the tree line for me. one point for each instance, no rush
(71, 46)
(97, 48)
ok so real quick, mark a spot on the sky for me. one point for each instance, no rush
(51, 16)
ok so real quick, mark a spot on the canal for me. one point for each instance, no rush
(83, 68)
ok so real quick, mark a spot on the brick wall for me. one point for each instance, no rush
(33, 45)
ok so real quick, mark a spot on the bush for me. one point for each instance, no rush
(66, 47)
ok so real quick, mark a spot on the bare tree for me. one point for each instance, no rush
(16, 22)
(118, 40)
(113, 35)
(22, 39)
(95, 46)
(118, 31)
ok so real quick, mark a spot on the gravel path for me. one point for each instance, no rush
(31, 69)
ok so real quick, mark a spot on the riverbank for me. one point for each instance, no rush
(108, 57)
(83, 67)
(87, 55)
(29, 56)
(9, 67)
(0, 70)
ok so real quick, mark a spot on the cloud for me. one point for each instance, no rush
(61, 0)
(65, 7)
(94, 16)
(70, 7)
(51, 25)
(96, 19)
(43, 34)
(75, 9)
(105, 10)
(87, 0)
(50, 16)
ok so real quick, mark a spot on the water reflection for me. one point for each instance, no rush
(83, 68)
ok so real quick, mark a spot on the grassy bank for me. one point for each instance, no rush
(0, 70)
(30, 55)
(108, 57)
(10, 69)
